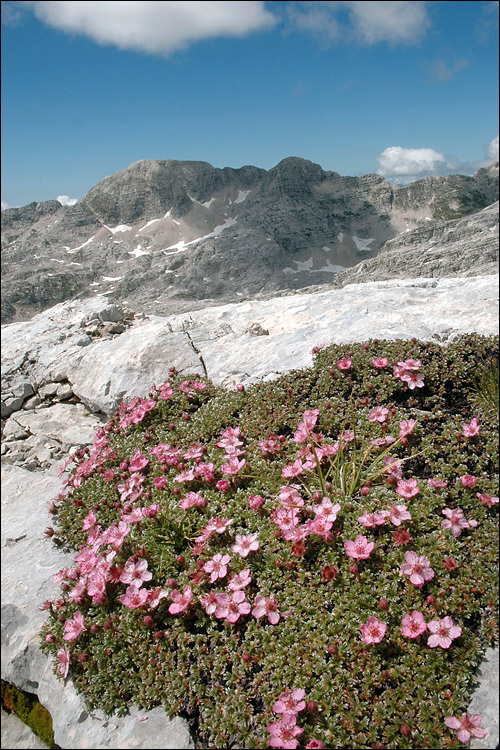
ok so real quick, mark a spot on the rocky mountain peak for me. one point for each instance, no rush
(167, 235)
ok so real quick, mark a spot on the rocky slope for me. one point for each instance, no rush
(67, 368)
(460, 247)
(166, 236)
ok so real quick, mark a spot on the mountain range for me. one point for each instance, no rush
(167, 236)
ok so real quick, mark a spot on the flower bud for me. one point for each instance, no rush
(148, 620)
(405, 730)
(383, 604)
(50, 638)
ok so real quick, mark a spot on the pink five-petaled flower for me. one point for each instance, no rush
(407, 488)
(217, 566)
(63, 658)
(89, 520)
(487, 500)
(134, 597)
(344, 363)
(413, 625)
(284, 732)
(233, 466)
(467, 726)
(290, 702)
(360, 548)
(443, 632)
(456, 521)
(136, 573)
(231, 607)
(373, 631)
(418, 568)
(255, 501)
(471, 429)
(438, 484)
(315, 744)
(413, 379)
(240, 580)
(373, 519)
(379, 362)
(398, 513)
(266, 606)
(378, 414)
(180, 601)
(293, 470)
(406, 427)
(245, 544)
(74, 627)
(468, 480)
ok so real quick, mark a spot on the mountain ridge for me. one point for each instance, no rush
(168, 235)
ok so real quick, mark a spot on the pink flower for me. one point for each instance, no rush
(411, 364)
(471, 429)
(467, 726)
(290, 702)
(223, 485)
(209, 602)
(315, 744)
(245, 544)
(165, 392)
(455, 521)
(160, 483)
(380, 362)
(406, 427)
(373, 519)
(230, 608)
(240, 580)
(74, 627)
(407, 488)
(398, 513)
(378, 414)
(418, 568)
(219, 524)
(487, 500)
(255, 501)
(373, 631)
(327, 509)
(138, 461)
(289, 497)
(217, 566)
(393, 469)
(468, 480)
(413, 625)
(233, 466)
(360, 548)
(320, 526)
(266, 606)
(134, 597)
(438, 484)
(413, 379)
(89, 520)
(192, 500)
(136, 572)
(344, 363)
(443, 632)
(180, 601)
(293, 470)
(63, 658)
(284, 732)
(115, 535)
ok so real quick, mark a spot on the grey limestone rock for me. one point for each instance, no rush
(170, 236)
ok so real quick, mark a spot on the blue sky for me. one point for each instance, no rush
(403, 89)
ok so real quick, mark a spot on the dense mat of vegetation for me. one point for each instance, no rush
(29, 709)
(309, 562)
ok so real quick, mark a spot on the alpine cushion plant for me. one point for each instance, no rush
(294, 564)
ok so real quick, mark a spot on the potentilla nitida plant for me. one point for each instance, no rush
(294, 564)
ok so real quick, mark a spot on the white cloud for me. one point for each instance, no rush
(154, 27)
(403, 165)
(65, 200)
(369, 21)
(492, 150)
(396, 161)
(5, 205)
